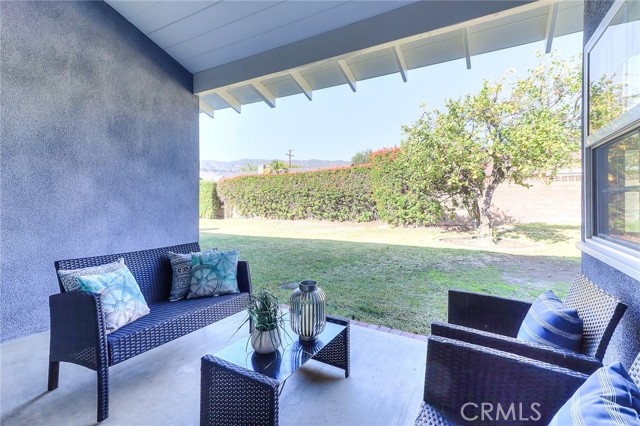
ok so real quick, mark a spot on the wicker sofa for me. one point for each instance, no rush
(78, 333)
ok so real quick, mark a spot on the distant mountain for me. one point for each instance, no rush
(215, 170)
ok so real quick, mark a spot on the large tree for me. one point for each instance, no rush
(511, 131)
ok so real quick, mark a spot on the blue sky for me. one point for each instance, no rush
(338, 123)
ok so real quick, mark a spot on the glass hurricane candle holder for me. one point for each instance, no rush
(307, 310)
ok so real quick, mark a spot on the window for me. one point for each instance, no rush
(611, 116)
(617, 190)
(614, 72)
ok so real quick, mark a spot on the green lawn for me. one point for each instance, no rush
(394, 277)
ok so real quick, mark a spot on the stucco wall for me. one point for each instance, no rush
(625, 344)
(99, 134)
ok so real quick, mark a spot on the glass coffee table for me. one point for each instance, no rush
(240, 387)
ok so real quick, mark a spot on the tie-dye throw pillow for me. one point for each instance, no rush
(181, 280)
(69, 277)
(214, 274)
(122, 300)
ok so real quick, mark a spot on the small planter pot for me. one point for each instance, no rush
(265, 342)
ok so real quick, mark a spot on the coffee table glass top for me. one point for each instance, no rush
(287, 360)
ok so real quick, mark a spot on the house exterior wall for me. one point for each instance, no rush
(99, 148)
(625, 344)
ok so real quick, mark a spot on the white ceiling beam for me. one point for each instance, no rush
(302, 83)
(265, 93)
(402, 63)
(552, 19)
(347, 73)
(230, 100)
(467, 50)
(205, 107)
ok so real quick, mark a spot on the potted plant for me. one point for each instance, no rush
(264, 312)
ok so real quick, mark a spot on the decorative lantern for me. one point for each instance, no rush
(307, 311)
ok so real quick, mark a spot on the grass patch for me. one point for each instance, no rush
(393, 277)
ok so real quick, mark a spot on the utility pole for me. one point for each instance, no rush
(289, 154)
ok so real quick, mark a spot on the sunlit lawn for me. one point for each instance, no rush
(396, 277)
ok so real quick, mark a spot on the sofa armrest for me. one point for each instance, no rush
(562, 358)
(244, 277)
(485, 312)
(78, 332)
(467, 381)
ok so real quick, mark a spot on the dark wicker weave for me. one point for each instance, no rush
(570, 360)
(634, 370)
(338, 352)
(460, 374)
(78, 333)
(500, 319)
(231, 395)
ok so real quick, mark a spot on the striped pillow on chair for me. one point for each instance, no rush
(551, 323)
(608, 398)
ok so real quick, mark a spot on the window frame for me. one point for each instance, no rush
(622, 257)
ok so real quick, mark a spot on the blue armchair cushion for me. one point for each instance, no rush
(69, 277)
(551, 323)
(181, 280)
(214, 273)
(608, 398)
(122, 300)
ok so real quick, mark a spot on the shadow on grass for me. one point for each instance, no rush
(397, 286)
(538, 232)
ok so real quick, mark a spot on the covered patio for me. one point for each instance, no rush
(162, 386)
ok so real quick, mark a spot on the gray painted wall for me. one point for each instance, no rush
(99, 148)
(625, 344)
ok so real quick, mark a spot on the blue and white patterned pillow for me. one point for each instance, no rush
(214, 273)
(122, 300)
(551, 323)
(69, 277)
(181, 280)
(608, 398)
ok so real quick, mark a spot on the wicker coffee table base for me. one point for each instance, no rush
(233, 395)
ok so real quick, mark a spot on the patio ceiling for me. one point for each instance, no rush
(242, 52)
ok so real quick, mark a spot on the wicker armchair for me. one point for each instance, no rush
(467, 384)
(494, 322)
(460, 377)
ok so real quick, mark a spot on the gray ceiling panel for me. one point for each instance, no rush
(165, 13)
(283, 87)
(220, 15)
(129, 8)
(375, 65)
(248, 27)
(448, 49)
(508, 35)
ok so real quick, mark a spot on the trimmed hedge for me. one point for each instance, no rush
(341, 194)
(400, 200)
(209, 201)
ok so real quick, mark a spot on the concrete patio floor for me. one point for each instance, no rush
(161, 387)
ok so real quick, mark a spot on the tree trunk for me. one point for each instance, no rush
(485, 227)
